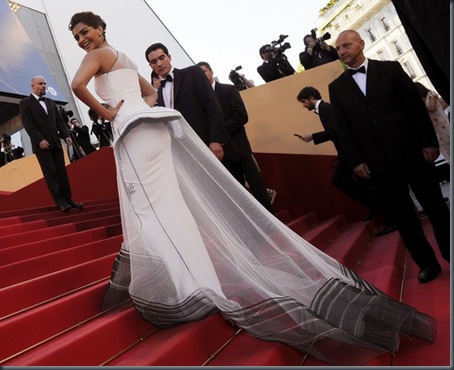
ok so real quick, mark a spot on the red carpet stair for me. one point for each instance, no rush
(55, 266)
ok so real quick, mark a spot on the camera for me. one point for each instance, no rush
(319, 40)
(65, 114)
(237, 79)
(277, 47)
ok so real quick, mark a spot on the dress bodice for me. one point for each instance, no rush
(122, 83)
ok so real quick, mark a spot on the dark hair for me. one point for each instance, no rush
(154, 47)
(262, 50)
(422, 90)
(93, 115)
(309, 92)
(205, 64)
(305, 38)
(88, 18)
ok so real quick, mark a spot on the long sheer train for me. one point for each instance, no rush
(196, 242)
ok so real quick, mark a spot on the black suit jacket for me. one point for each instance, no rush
(391, 121)
(194, 98)
(329, 124)
(41, 126)
(235, 116)
(319, 57)
(269, 71)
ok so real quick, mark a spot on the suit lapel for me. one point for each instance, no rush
(176, 84)
(41, 108)
(372, 73)
(351, 84)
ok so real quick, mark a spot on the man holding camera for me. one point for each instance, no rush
(317, 51)
(269, 70)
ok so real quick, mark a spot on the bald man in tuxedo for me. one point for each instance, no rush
(45, 126)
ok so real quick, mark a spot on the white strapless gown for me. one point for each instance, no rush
(196, 242)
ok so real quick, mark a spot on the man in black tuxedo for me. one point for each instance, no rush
(45, 126)
(387, 136)
(235, 117)
(269, 70)
(188, 91)
(361, 190)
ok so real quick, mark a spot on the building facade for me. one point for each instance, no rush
(43, 25)
(379, 25)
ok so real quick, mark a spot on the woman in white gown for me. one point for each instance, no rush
(196, 242)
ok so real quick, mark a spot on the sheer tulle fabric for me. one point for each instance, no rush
(195, 243)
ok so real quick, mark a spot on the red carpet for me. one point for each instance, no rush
(54, 268)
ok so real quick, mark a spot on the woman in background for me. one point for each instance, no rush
(436, 107)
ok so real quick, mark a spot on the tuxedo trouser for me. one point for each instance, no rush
(393, 184)
(361, 190)
(52, 164)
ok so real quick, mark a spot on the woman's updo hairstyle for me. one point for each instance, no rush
(88, 18)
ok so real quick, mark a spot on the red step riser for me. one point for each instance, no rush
(35, 267)
(41, 247)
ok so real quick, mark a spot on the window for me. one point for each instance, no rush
(385, 23)
(371, 35)
(408, 67)
(380, 54)
(398, 48)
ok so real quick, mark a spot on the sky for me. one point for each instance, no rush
(224, 33)
(229, 33)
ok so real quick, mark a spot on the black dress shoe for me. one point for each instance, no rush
(427, 274)
(74, 205)
(63, 206)
(386, 230)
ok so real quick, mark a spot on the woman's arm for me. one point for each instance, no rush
(149, 93)
(431, 101)
(90, 66)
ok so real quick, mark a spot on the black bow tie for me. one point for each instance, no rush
(168, 78)
(361, 69)
(41, 98)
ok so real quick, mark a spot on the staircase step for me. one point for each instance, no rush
(44, 209)
(88, 343)
(303, 223)
(285, 216)
(21, 227)
(189, 344)
(23, 296)
(41, 323)
(15, 273)
(324, 232)
(8, 241)
(41, 247)
(58, 213)
(349, 246)
(245, 350)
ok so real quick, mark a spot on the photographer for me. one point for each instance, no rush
(83, 136)
(74, 151)
(317, 51)
(275, 64)
(269, 70)
(6, 150)
(240, 81)
(102, 130)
